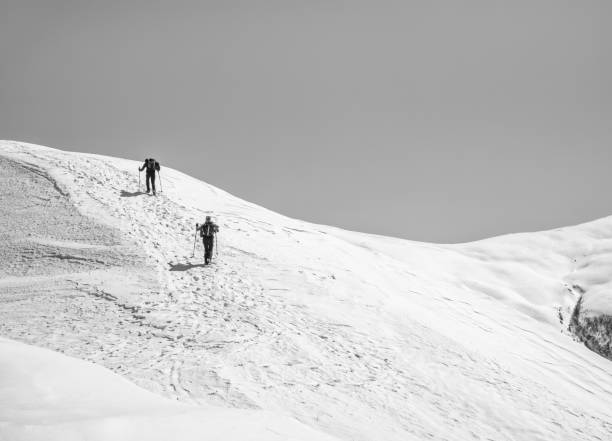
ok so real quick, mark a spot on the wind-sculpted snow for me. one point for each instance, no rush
(47, 396)
(359, 336)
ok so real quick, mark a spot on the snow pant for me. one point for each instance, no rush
(151, 178)
(208, 247)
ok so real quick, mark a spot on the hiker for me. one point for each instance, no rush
(207, 232)
(152, 166)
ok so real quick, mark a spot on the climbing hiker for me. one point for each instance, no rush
(151, 165)
(207, 232)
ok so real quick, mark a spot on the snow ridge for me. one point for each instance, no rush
(358, 336)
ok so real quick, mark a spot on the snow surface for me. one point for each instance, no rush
(48, 396)
(359, 336)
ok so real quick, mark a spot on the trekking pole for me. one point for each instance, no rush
(216, 246)
(161, 187)
(194, 240)
(138, 180)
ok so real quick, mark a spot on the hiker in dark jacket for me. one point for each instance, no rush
(152, 166)
(207, 232)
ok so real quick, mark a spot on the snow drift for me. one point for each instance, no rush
(48, 396)
(358, 336)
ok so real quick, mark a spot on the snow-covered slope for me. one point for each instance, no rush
(361, 337)
(48, 396)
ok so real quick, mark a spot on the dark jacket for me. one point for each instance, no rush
(151, 165)
(208, 229)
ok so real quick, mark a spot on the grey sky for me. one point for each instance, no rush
(429, 120)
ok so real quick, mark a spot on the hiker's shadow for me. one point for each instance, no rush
(184, 266)
(130, 194)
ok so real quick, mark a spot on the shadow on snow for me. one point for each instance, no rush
(129, 194)
(185, 266)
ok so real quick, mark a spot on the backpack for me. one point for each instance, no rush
(152, 164)
(208, 229)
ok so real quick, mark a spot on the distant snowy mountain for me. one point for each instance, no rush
(359, 337)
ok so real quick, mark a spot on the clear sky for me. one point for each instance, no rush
(442, 121)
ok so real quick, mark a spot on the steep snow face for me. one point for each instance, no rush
(360, 336)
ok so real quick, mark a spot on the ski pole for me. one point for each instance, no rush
(161, 187)
(139, 180)
(216, 246)
(194, 240)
